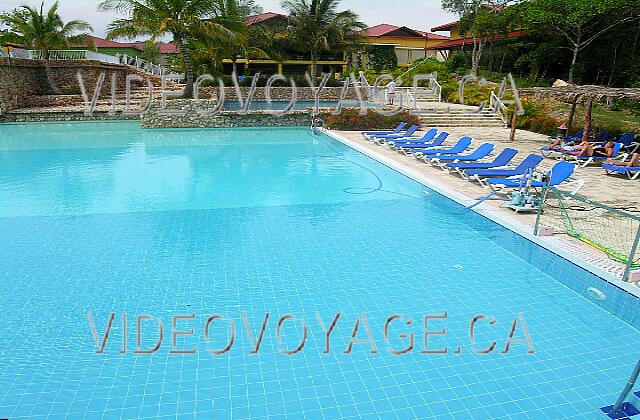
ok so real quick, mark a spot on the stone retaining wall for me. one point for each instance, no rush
(23, 81)
(63, 116)
(187, 116)
(281, 93)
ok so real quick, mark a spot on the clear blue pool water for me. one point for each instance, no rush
(105, 217)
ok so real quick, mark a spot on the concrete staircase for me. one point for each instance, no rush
(138, 98)
(439, 114)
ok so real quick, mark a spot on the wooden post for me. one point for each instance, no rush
(587, 120)
(514, 117)
(572, 113)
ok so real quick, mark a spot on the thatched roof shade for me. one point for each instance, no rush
(568, 93)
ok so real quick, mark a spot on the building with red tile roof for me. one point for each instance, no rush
(409, 44)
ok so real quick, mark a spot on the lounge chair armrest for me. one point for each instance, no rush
(578, 183)
(622, 157)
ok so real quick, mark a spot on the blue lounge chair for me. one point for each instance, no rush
(407, 133)
(578, 135)
(629, 142)
(501, 160)
(459, 147)
(632, 172)
(481, 152)
(583, 161)
(560, 172)
(527, 165)
(397, 130)
(420, 145)
(428, 136)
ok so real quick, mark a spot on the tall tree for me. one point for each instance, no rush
(580, 22)
(317, 26)
(248, 8)
(34, 28)
(215, 21)
(483, 20)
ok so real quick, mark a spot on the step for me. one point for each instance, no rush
(459, 117)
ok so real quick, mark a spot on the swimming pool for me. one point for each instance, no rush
(107, 218)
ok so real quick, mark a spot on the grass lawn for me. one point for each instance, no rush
(615, 122)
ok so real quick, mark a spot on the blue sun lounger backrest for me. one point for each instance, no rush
(461, 145)
(529, 162)
(397, 130)
(411, 130)
(400, 127)
(430, 134)
(481, 151)
(505, 157)
(560, 172)
(626, 139)
(577, 136)
(616, 149)
(407, 133)
(440, 139)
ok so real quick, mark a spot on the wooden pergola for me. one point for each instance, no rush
(587, 94)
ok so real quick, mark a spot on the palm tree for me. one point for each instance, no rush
(215, 21)
(36, 29)
(318, 26)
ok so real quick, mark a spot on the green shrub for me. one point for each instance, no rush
(350, 119)
(474, 94)
(536, 119)
(628, 105)
(458, 60)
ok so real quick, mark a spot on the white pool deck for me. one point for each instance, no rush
(598, 187)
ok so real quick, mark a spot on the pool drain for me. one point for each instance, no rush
(596, 294)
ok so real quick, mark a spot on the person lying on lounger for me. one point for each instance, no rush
(588, 149)
(634, 162)
(563, 143)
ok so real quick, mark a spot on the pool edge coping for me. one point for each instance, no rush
(510, 223)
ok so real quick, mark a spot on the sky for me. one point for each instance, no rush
(416, 14)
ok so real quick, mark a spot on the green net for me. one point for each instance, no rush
(611, 230)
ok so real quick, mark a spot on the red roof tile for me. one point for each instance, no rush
(446, 26)
(466, 41)
(384, 28)
(168, 48)
(106, 43)
(250, 20)
(163, 47)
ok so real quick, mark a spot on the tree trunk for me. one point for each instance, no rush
(314, 66)
(474, 58)
(188, 67)
(613, 66)
(574, 58)
(587, 120)
(572, 113)
(573, 63)
(514, 117)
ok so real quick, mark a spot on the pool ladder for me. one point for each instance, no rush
(627, 389)
(316, 122)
